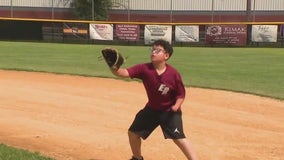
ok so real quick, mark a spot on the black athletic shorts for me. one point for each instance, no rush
(147, 119)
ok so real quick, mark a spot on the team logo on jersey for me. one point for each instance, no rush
(164, 89)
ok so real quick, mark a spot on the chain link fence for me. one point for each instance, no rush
(168, 10)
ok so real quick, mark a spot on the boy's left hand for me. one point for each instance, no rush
(175, 108)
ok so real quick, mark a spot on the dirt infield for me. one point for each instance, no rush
(80, 118)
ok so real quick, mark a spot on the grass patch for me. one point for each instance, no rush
(251, 70)
(257, 71)
(9, 153)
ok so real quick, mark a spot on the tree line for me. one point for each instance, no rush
(91, 9)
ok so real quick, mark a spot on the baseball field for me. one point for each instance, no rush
(60, 101)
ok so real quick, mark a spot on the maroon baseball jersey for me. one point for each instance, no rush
(162, 90)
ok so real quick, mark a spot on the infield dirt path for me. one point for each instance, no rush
(80, 118)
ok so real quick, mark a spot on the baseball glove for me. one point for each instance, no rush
(113, 58)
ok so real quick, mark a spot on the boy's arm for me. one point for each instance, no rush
(121, 72)
(177, 106)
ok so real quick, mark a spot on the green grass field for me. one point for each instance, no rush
(257, 71)
(9, 153)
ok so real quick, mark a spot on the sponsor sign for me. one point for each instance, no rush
(264, 33)
(155, 32)
(187, 33)
(70, 29)
(226, 34)
(127, 32)
(101, 31)
(75, 30)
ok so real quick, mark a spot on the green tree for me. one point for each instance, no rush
(83, 9)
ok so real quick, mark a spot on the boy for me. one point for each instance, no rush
(166, 93)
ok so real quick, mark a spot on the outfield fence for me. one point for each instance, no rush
(157, 10)
(143, 33)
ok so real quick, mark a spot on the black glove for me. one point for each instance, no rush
(113, 59)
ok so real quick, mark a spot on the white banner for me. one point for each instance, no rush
(264, 33)
(155, 32)
(187, 33)
(101, 31)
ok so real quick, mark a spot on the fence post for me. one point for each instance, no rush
(248, 18)
(171, 16)
(52, 9)
(93, 12)
(253, 11)
(212, 11)
(248, 10)
(128, 11)
(11, 9)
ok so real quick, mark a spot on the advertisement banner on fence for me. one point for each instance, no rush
(226, 34)
(127, 32)
(75, 30)
(101, 31)
(187, 33)
(154, 32)
(264, 33)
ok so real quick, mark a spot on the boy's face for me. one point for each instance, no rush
(158, 54)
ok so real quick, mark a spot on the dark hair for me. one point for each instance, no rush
(165, 44)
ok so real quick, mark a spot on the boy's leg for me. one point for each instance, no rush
(186, 148)
(172, 127)
(135, 144)
(144, 123)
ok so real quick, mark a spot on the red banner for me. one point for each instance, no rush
(127, 32)
(226, 34)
